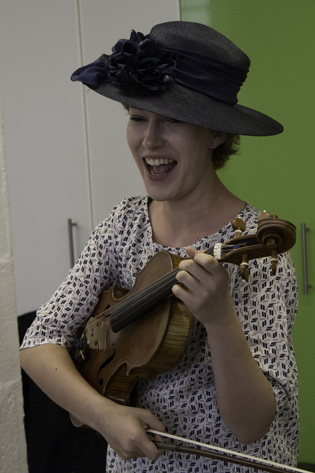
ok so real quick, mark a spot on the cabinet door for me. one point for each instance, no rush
(113, 173)
(45, 143)
(66, 149)
(276, 173)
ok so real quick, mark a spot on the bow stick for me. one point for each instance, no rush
(226, 455)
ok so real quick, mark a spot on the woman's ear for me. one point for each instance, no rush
(219, 138)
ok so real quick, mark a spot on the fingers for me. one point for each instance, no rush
(127, 433)
(148, 448)
(140, 445)
(204, 284)
(200, 265)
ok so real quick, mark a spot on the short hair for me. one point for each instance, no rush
(222, 153)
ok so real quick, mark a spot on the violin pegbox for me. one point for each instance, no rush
(239, 226)
(274, 236)
(270, 239)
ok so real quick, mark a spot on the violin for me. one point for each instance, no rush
(144, 332)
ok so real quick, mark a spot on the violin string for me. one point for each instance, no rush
(159, 285)
(139, 299)
(224, 450)
(165, 282)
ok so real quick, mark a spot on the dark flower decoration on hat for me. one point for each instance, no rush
(138, 60)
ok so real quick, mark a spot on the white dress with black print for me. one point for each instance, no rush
(185, 398)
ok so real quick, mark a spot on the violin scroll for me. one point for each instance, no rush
(274, 236)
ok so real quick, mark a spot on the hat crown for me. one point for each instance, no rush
(201, 39)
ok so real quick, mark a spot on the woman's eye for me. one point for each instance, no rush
(137, 118)
(173, 120)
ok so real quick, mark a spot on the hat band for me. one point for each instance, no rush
(211, 77)
(142, 61)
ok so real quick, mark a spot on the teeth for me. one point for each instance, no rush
(157, 162)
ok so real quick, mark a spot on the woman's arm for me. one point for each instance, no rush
(245, 397)
(51, 367)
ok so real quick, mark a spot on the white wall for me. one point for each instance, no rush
(66, 151)
(12, 445)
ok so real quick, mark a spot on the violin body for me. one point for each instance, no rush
(153, 344)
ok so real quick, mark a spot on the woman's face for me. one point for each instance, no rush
(174, 158)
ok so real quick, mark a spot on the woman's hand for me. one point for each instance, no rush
(206, 287)
(124, 428)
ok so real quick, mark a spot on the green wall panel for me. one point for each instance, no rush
(276, 173)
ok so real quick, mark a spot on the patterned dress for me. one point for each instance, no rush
(185, 398)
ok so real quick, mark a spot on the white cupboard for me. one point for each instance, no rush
(65, 147)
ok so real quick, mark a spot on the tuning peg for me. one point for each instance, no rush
(266, 214)
(244, 267)
(239, 226)
(274, 262)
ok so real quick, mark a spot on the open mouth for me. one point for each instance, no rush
(159, 166)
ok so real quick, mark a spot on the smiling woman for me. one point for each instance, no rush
(188, 149)
(221, 153)
(235, 383)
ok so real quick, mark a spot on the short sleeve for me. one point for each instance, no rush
(74, 301)
(267, 307)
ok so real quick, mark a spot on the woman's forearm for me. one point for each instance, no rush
(52, 369)
(245, 397)
(124, 428)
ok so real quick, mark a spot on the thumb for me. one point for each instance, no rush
(191, 252)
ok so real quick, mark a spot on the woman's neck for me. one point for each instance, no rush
(184, 222)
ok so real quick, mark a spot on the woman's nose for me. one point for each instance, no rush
(153, 136)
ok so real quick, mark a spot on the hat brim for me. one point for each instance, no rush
(189, 106)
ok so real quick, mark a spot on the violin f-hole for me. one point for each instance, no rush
(103, 365)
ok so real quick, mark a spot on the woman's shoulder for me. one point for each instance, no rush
(128, 219)
(131, 212)
(126, 211)
(132, 205)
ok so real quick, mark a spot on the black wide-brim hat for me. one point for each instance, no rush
(183, 70)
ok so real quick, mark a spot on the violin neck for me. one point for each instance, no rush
(140, 303)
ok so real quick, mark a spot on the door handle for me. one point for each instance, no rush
(71, 224)
(306, 285)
